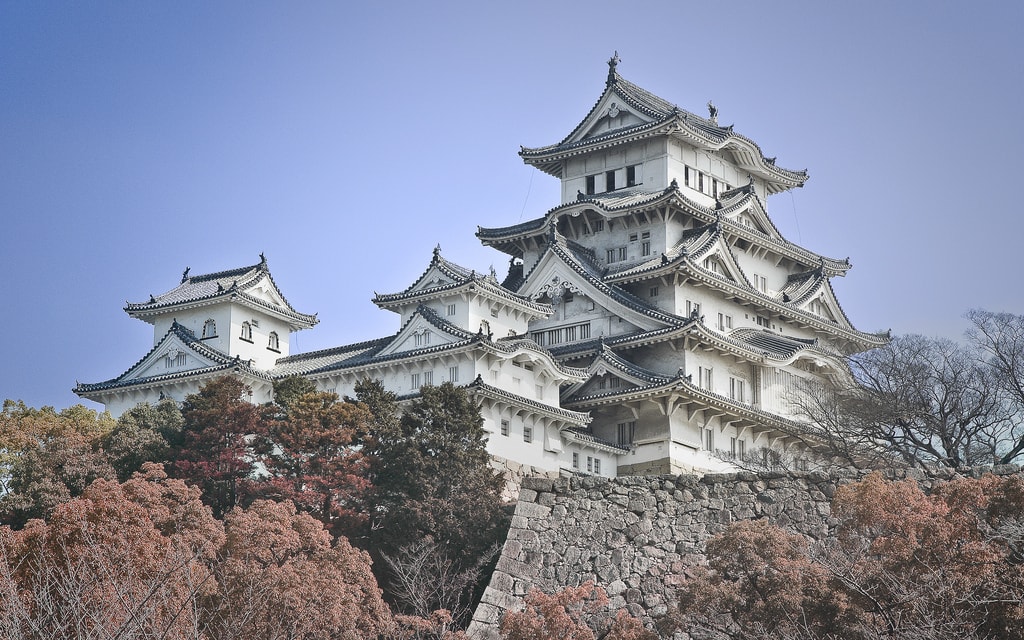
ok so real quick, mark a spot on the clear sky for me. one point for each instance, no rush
(345, 140)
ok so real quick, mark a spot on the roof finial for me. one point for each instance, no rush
(184, 275)
(437, 250)
(263, 259)
(712, 112)
(612, 63)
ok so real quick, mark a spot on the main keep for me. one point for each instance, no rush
(654, 322)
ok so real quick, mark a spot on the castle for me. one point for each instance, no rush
(653, 321)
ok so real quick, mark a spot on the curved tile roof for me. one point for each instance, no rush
(574, 417)
(185, 335)
(665, 118)
(367, 353)
(460, 277)
(220, 285)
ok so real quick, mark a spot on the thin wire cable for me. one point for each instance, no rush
(529, 188)
(799, 236)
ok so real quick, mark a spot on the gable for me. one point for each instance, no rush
(434, 277)
(610, 114)
(265, 290)
(552, 277)
(419, 333)
(171, 356)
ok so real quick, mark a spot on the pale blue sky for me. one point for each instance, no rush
(345, 142)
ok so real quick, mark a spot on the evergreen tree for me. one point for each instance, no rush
(432, 475)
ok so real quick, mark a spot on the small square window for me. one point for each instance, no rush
(451, 309)
(633, 237)
(654, 292)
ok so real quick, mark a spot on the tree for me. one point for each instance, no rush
(214, 453)
(24, 429)
(904, 564)
(572, 613)
(47, 458)
(918, 401)
(432, 477)
(119, 561)
(282, 577)
(1000, 337)
(144, 433)
(313, 453)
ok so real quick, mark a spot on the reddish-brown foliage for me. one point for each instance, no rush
(904, 565)
(117, 562)
(281, 577)
(570, 614)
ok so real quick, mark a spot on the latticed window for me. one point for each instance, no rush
(246, 332)
(273, 342)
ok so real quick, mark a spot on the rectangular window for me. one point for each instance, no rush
(602, 383)
(614, 382)
(626, 431)
(575, 460)
(504, 428)
(590, 464)
(610, 255)
(700, 181)
(760, 284)
(737, 390)
(540, 391)
(654, 292)
(555, 336)
(686, 176)
(585, 331)
(591, 185)
(645, 248)
(428, 377)
(609, 181)
(692, 308)
(709, 439)
(706, 378)
(570, 334)
(724, 322)
(622, 253)
(451, 309)
(453, 374)
(598, 225)
(633, 237)
(645, 235)
(741, 449)
(527, 434)
(763, 322)
(732, 447)
(597, 466)
(631, 176)
(415, 381)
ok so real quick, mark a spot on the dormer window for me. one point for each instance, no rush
(209, 329)
(246, 332)
(273, 343)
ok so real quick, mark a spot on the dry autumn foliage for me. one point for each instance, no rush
(569, 614)
(147, 559)
(904, 564)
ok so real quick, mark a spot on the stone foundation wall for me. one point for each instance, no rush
(514, 474)
(635, 536)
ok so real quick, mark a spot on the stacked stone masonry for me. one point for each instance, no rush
(636, 536)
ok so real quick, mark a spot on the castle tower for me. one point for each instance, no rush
(694, 317)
